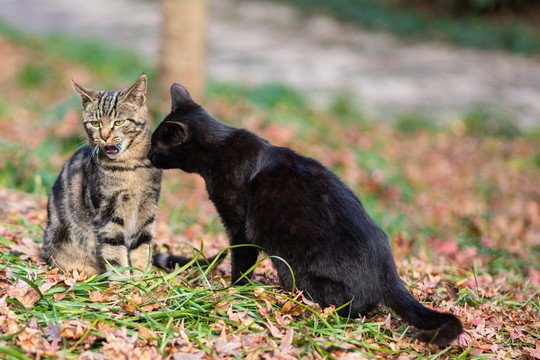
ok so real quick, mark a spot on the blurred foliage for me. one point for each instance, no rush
(34, 75)
(476, 5)
(4, 107)
(489, 121)
(111, 65)
(267, 96)
(537, 159)
(344, 108)
(468, 28)
(410, 123)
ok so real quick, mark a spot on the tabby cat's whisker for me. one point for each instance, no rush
(95, 154)
(83, 144)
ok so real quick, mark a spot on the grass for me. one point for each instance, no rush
(168, 306)
(459, 204)
(189, 306)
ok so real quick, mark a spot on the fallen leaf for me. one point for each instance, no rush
(286, 341)
(273, 329)
(130, 308)
(292, 308)
(147, 336)
(74, 330)
(23, 293)
(237, 317)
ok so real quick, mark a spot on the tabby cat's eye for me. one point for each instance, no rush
(119, 122)
(95, 123)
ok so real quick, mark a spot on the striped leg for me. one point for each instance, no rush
(140, 250)
(114, 253)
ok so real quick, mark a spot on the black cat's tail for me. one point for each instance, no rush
(168, 262)
(437, 328)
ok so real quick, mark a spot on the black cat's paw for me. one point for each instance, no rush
(443, 336)
(240, 281)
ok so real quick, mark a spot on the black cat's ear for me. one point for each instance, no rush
(136, 94)
(178, 132)
(181, 99)
(88, 96)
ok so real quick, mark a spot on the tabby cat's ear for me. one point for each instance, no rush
(136, 94)
(87, 95)
(178, 132)
(180, 98)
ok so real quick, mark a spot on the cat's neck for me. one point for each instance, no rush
(242, 151)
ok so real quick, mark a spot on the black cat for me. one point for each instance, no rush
(296, 209)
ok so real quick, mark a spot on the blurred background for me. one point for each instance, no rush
(428, 109)
(438, 58)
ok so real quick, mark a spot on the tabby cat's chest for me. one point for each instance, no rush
(129, 194)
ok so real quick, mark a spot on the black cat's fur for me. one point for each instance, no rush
(295, 209)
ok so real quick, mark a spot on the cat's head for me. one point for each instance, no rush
(186, 134)
(114, 120)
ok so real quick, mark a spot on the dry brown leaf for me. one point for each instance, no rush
(28, 248)
(273, 329)
(23, 293)
(147, 336)
(52, 331)
(8, 318)
(70, 282)
(73, 330)
(151, 306)
(293, 309)
(286, 341)
(254, 340)
(237, 317)
(128, 308)
(225, 347)
(46, 286)
(534, 353)
(98, 296)
(59, 297)
(32, 342)
(119, 345)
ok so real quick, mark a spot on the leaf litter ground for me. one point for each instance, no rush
(459, 247)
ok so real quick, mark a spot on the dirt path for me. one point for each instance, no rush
(255, 42)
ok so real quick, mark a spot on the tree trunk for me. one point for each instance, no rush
(183, 46)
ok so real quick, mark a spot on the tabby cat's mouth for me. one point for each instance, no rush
(111, 150)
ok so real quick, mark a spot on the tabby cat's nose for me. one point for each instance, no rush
(105, 136)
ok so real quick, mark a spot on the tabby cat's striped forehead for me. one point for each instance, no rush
(109, 106)
(107, 102)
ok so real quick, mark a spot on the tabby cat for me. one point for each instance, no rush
(294, 209)
(102, 207)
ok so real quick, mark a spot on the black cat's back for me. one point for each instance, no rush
(297, 198)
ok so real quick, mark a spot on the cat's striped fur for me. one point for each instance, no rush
(102, 207)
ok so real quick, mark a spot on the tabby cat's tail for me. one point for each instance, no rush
(168, 262)
(437, 328)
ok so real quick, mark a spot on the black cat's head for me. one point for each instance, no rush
(173, 134)
(185, 133)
